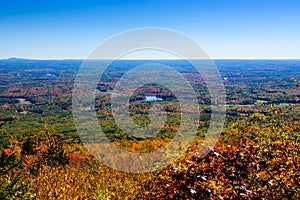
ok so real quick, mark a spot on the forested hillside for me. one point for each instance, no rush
(256, 155)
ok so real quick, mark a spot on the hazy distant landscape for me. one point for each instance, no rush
(45, 87)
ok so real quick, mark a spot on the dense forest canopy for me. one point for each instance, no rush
(256, 156)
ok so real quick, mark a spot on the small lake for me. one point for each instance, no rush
(150, 98)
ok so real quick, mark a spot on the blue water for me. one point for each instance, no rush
(151, 98)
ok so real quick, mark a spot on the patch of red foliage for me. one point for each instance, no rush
(74, 158)
(8, 151)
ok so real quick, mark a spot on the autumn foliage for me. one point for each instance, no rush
(257, 158)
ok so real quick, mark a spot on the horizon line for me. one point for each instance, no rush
(136, 59)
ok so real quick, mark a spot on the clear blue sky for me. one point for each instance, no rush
(225, 28)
